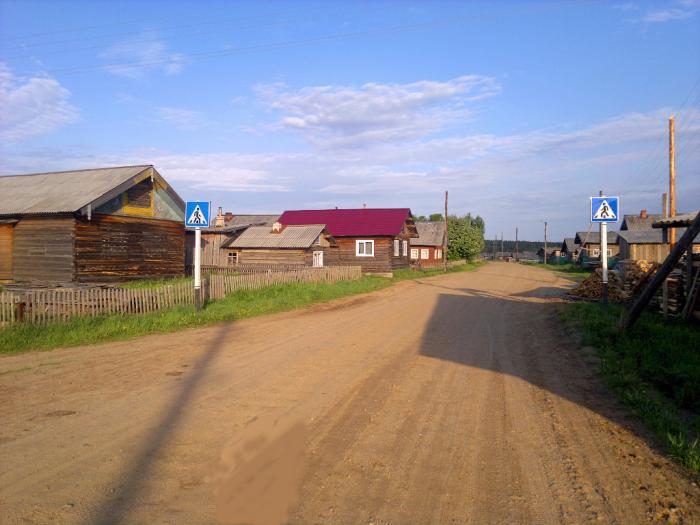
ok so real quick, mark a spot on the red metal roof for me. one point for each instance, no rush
(352, 223)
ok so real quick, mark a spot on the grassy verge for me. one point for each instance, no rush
(654, 369)
(154, 283)
(565, 269)
(408, 273)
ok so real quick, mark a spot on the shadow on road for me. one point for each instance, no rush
(136, 475)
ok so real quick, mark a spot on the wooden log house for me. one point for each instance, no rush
(427, 249)
(94, 225)
(376, 239)
(280, 245)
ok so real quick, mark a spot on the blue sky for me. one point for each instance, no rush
(521, 110)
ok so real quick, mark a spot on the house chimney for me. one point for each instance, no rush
(643, 214)
(219, 220)
(277, 227)
(228, 216)
(364, 205)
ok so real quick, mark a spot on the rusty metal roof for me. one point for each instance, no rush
(289, 237)
(63, 191)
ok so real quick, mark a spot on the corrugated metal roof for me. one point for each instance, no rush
(683, 219)
(429, 234)
(360, 222)
(60, 192)
(289, 237)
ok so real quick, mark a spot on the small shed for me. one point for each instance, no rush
(427, 248)
(279, 245)
(93, 225)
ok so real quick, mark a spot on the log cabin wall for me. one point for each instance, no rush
(273, 256)
(43, 249)
(212, 252)
(119, 248)
(6, 236)
(431, 261)
(382, 261)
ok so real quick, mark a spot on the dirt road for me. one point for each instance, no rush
(455, 399)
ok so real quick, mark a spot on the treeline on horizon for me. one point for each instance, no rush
(523, 246)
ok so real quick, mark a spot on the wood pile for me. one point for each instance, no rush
(637, 274)
(676, 294)
(592, 287)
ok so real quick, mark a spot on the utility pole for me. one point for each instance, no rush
(672, 175)
(664, 286)
(516, 244)
(545, 242)
(444, 239)
(501, 245)
(664, 205)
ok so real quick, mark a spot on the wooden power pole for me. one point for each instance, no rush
(672, 176)
(545, 242)
(516, 244)
(444, 239)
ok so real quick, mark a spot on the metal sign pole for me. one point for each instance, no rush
(197, 268)
(604, 258)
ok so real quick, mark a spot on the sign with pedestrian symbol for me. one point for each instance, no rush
(605, 209)
(197, 214)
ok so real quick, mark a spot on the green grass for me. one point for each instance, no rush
(408, 273)
(566, 269)
(655, 370)
(154, 283)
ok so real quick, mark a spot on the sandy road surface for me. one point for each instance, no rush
(456, 399)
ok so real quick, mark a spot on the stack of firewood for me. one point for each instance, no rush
(592, 287)
(676, 294)
(637, 274)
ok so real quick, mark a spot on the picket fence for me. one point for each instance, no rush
(47, 306)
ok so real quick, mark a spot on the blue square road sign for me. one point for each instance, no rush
(605, 209)
(197, 214)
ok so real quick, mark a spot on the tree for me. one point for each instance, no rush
(466, 237)
(436, 217)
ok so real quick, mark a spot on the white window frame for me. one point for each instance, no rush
(232, 258)
(404, 245)
(424, 254)
(396, 247)
(609, 252)
(364, 243)
(595, 252)
(438, 253)
(414, 254)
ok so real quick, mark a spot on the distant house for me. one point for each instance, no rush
(280, 245)
(376, 239)
(643, 221)
(640, 239)
(427, 248)
(91, 225)
(569, 249)
(552, 255)
(224, 228)
(589, 243)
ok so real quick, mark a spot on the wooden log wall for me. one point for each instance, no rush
(6, 235)
(43, 249)
(111, 247)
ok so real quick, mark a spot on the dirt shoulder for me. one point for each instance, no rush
(453, 399)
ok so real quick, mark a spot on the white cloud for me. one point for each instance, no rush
(136, 56)
(345, 116)
(679, 10)
(182, 119)
(31, 106)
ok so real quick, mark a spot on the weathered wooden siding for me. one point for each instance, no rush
(647, 252)
(117, 248)
(382, 261)
(286, 256)
(212, 253)
(43, 249)
(6, 234)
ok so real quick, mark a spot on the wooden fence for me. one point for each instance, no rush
(46, 306)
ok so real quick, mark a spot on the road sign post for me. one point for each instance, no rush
(604, 210)
(197, 217)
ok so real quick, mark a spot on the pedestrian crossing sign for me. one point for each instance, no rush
(605, 209)
(197, 214)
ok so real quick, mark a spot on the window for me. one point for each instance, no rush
(232, 258)
(396, 247)
(609, 252)
(414, 253)
(405, 248)
(364, 248)
(595, 252)
(424, 253)
(438, 254)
